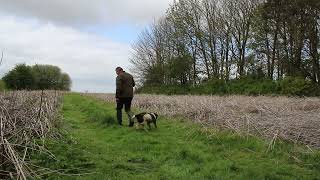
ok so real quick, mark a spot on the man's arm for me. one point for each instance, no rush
(133, 83)
(118, 86)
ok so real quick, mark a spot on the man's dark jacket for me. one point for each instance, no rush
(125, 84)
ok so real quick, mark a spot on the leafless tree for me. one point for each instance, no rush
(227, 39)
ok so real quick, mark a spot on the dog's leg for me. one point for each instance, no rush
(149, 126)
(137, 125)
(141, 126)
(155, 124)
(144, 128)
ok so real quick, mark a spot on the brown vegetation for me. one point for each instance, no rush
(25, 117)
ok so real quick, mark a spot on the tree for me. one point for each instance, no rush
(47, 76)
(64, 82)
(313, 36)
(51, 77)
(37, 77)
(229, 39)
(20, 78)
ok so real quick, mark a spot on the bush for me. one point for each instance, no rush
(245, 86)
(169, 90)
(249, 86)
(297, 86)
(291, 86)
(2, 85)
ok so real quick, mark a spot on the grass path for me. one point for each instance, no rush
(176, 150)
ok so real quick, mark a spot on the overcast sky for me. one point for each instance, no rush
(87, 39)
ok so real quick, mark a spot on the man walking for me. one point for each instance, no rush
(124, 94)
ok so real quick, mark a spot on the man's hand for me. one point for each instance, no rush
(117, 100)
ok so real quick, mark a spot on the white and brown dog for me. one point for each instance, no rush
(143, 118)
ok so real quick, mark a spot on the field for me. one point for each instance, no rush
(178, 149)
(90, 145)
(293, 119)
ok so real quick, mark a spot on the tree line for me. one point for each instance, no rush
(200, 40)
(37, 77)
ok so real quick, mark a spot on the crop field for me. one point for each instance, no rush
(26, 118)
(293, 119)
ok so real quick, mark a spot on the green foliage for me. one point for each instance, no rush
(245, 86)
(65, 82)
(178, 149)
(298, 86)
(2, 85)
(154, 75)
(178, 68)
(21, 77)
(37, 77)
(51, 77)
(169, 90)
(47, 76)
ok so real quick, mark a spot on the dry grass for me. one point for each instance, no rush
(24, 118)
(294, 119)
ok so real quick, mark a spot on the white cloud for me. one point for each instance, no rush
(51, 32)
(88, 59)
(84, 12)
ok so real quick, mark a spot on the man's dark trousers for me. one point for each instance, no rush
(126, 102)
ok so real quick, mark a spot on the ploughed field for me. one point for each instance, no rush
(287, 118)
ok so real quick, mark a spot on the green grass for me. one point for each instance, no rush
(176, 150)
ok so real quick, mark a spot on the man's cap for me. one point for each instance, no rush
(119, 69)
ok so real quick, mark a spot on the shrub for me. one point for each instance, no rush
(2, 85)
(297, 86)
(292, 86)
(169, 90)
